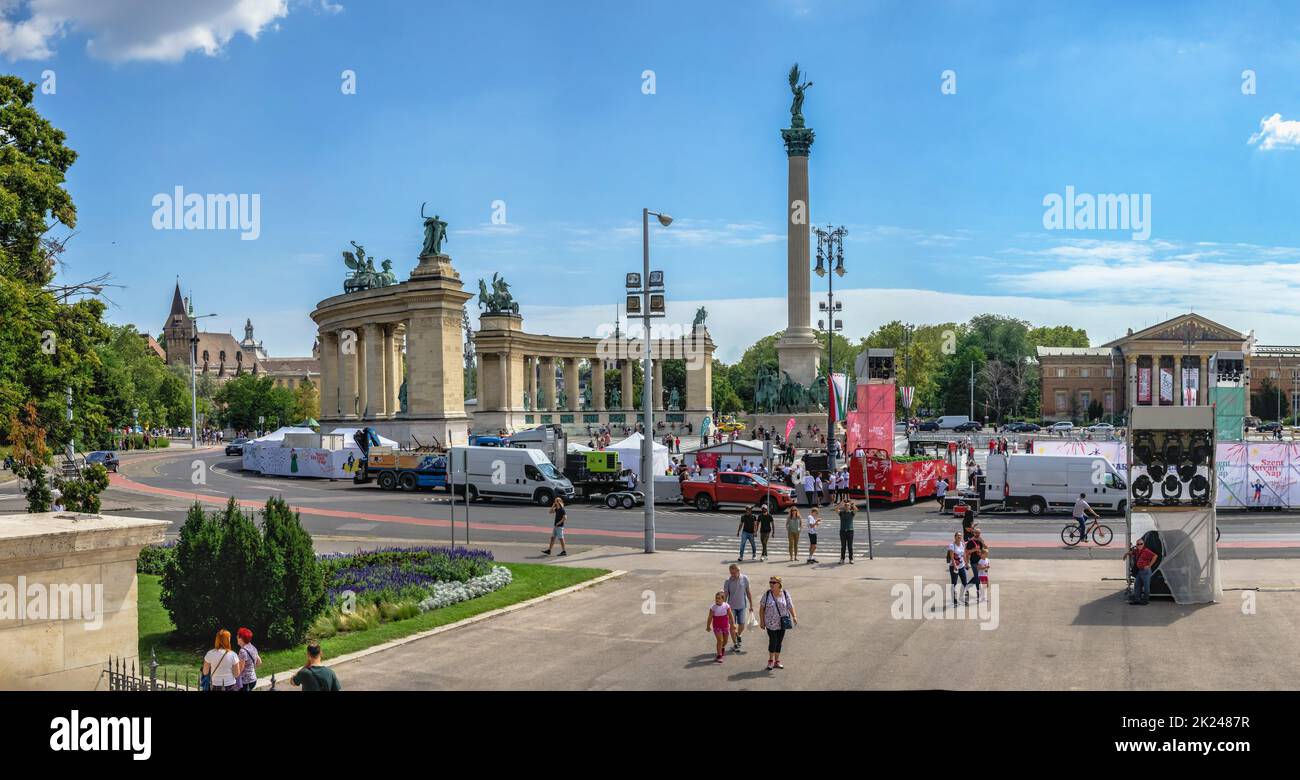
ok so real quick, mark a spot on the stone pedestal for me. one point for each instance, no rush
(84, 564)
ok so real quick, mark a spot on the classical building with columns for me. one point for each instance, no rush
(521, 377)
(1181, 361)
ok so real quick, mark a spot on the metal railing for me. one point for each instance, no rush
(124, 677)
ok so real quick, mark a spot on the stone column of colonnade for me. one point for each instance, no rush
(1202, 381)
(392, 369)
(571, 393)
(329, 375)
(348, 349)
(625, 379)
(546, 379)
(598, 384)
(1132, 362)
(376, 404)
(503, 382)
(658, 389)
(530, 380)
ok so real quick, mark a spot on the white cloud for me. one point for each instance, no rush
(121, 30)
(1277, 133)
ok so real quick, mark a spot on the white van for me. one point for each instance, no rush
(952, 420)
(507, 472)
(1042, 483)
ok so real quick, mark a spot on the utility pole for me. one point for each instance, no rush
(972, 390)
(72, 449)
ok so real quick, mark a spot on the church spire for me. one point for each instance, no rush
(178, 304)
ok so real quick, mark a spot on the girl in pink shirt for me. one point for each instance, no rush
(719, 622)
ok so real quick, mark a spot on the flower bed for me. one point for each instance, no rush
(400, 573)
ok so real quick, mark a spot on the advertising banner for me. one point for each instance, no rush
(1191, 384)
(272, 458)
(1166, 385)
(1144, 385)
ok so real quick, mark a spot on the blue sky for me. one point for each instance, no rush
(540, 105)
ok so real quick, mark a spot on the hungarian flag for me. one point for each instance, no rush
(839, 396)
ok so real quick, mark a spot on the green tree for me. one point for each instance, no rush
(294, 584)
(725, 398)
(1267, 403)
(306, 401)
(245, 398)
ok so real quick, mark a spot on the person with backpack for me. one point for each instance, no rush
(776, 614)
(249, 658)
(221, 666)
(314, 676)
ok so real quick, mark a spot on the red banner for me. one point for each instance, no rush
(789, 427)
(706, 460)
(1144, 385)
(872, 426)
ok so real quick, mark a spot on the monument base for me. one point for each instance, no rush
(799, 354)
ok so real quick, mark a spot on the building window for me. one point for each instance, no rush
(1084, 373)
(1108, 402)
(1273, 373)
(205, 355)
(1085, 398)
(1062, 402)
(1060, 373)
(223, 356)
(1110, 373)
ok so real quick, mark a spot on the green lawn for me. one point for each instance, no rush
(530, 580)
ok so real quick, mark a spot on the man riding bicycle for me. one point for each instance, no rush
(1081, 512)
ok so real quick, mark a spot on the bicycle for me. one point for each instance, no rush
(1101, 534)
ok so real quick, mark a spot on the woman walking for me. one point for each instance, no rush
(557, 532)
(814, 520)
(249, 657)
(793, 527)
(776, 613)
(221, 665)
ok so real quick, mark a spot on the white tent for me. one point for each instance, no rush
(576, 447)
(278, 434)
(348, 441)
(629, 454)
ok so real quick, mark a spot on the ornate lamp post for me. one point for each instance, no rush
(194, 392)
(645, 295)
(830, 248)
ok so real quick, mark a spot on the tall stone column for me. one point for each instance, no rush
(798, 350)
(1202, 380)
(363, 383)
(376, 400)
(625, 379)
(571, 385)
(598, 384)
(349, 347)
(530, 380)
(392, 370)
(658, 388)
(329, 375)
(1131, 361)
(546, 386)
(503, 374)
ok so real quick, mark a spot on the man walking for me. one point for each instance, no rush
(847, 510)
(941, 490)
(557, 532)
(745, 531)
(1143, 560)
(739, 599)
(764, 527)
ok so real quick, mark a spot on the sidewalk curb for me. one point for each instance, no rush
(265, 683)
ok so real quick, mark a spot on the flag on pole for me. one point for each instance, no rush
(789, 426)
(907, 397)
(838, 396)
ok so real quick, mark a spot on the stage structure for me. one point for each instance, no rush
(871, 426)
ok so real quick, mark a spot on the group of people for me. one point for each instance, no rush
(227, 668)
(735, 602)
(756, 524)
(968, 551)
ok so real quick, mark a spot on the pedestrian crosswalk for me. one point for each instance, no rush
(828, 546)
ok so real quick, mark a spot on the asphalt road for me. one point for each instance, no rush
(163, 484)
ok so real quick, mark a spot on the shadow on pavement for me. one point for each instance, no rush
(1115, 610)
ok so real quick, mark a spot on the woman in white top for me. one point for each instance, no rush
(223, 663)
(957, 568)
(814, 519)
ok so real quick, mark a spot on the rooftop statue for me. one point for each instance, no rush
(498, 300)
(796, 106)
(435, 232)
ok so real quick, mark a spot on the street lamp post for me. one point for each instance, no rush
(645, 294)
(194, 390)
(830, 248)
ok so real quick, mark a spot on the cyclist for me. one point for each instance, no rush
(1081, 512)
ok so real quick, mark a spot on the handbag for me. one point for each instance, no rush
(205, 680)
(787, 622)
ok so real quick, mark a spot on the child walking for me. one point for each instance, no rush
(983, 576)
(719, 622)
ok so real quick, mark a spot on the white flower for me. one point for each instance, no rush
(448, 593)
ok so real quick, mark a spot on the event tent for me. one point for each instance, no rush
(348, 441)
(629, 454)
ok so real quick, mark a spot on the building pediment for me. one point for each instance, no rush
(1181, 329)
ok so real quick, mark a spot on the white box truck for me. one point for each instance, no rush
(1043, 483)
(522, 474)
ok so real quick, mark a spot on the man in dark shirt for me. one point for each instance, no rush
(1144, 561)
(764, 527)
(314, 676)
(748, 524)
(846, 511)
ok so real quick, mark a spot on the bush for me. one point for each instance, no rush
(82, 494)
(154, 558)
(224, 573)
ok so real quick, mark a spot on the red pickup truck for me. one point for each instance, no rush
(736, 487)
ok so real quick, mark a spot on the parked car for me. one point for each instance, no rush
(736, 487)
(968, 427)
(1269, 427)
(928, 425)
(104, 458)
(1061, 427)
(1250, 423)
(1021, 427)
(1101, 428)
(236, 447)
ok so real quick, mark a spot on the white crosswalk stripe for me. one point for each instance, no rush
(731, 545)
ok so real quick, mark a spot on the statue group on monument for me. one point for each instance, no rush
(364, 276)
(498, 300)
(775, 391)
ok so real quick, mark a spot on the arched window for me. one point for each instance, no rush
(223, 356)
(205, 356)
